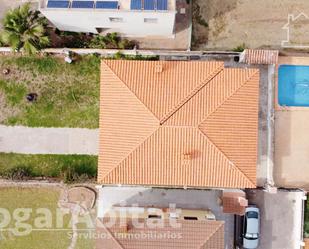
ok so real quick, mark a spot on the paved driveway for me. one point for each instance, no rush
(20, 139)
(281, 218)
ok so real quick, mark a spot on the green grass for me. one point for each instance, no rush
(67, 167)
(240, 48)
(34, 198)
(68, 94)
(12, 198)
(14, 92)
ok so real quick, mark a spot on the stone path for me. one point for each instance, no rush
(20, 139)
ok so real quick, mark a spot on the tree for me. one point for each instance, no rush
(24, 30)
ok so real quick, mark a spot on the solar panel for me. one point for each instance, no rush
(58, 4)
(82, 4)
(106, 5)
(136, 4)
(161, 4)
(149, 4)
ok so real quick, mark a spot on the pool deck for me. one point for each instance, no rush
(291, 138)
(303, 61)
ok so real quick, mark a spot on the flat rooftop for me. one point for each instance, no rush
(110, 5)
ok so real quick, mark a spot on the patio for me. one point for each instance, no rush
(291, 139)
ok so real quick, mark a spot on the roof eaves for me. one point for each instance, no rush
(194, 92)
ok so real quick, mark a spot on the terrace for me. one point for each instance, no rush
(120, 5)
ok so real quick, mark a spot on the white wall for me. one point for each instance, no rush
(133, 21)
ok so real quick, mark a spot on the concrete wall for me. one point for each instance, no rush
(132, 25)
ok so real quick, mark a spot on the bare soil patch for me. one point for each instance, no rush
(257, 23)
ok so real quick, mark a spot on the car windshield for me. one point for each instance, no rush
(251, 236)
(252, 215)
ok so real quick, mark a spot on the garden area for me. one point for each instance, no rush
(69, 168)
(42, 90)
(66, 95)
(33, 198)
(26, 30)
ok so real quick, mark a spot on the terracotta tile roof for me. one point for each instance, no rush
(169, 86)
(178, 124)
(264, 57)
(192, 234)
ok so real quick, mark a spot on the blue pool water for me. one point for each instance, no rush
(293, 85)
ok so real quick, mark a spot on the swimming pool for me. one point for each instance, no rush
(293, 85)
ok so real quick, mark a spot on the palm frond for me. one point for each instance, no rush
(24, 29)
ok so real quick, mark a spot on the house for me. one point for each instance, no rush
(132, 18)
(149, 231)
(178, 124)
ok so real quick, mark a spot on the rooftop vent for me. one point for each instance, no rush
(187, 156)
(190, 218)
(154, 216)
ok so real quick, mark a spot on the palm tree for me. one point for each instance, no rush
(24, 29)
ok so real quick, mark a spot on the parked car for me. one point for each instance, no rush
(251, 228)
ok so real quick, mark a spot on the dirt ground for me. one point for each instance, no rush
(227, 24)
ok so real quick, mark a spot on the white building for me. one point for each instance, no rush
(132, 18)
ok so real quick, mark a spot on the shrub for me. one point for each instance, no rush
(77, 172)
(112, 41)
(68, 168)
(120, 55)
(74, 39)
(18, 173)
(240, 48)
(198, 17)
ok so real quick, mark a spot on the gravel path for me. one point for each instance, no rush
(20, 139)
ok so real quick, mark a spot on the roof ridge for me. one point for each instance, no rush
(236, 90)
(146, 139)
(130, 90)
(221, 223)
(247, 80)
(205, 82)
(203, 135)
(230, 161)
